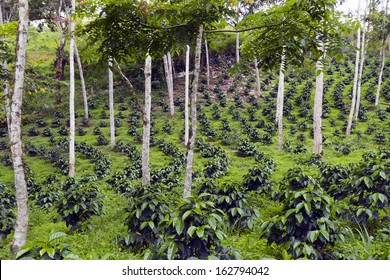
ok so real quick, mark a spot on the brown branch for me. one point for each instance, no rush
(118, 68)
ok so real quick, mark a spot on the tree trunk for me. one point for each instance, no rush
(146, 122)
(192, 134)
(7, 106)
(355, 81)
(84, 90)
(72, 156)
(257, 79)
(207, 64)
(317, 114)
(111, 101)
(169, 87)
(280, 101)
(382, 55)
(15, 136)
(238, 36)
(186, 93)
(359, 85)
(170, 72)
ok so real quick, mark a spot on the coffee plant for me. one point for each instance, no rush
(79, 202)
(305, 225)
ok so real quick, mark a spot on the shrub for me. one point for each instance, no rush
(79, 203)
(7, 215)
(305, 224)
(193, 230)
(147, 207)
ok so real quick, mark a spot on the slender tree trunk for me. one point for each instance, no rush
(382, 55)
(359, 85)
(84, 90)
(257, 79)
(280, 101)
(238, 36)
(111, 101)
(207, 64)
(192, 134)
(355, 81)
(378, 90)
(15, 136)
(170, 72)
(72, 155)
(7, 106)
(169, 86)
(317, 114)
(186, 93)
(146, 122)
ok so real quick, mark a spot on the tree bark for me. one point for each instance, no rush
(72, 155)
(355, 81)
(111, 101)
(170, 73)
(317, 114)
(238, 36)
(15, 136)
(207, 64)
(257, 78)
(83, 89)
(7, 105)
(280, 101)
(192, 133)
(382, 55)
(359, 85)
(169, 87)
(146, 122)
(186, 99)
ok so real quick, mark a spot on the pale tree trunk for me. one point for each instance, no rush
(186, 98)
(170, 72)
(257, 78)
(355, 80)
(280, 101)
(111, 105)
(378, 90)
(146, 122)
(83, 89)
(7, 107)
(207, 64)
(317, 114)
(238, 36)
(359, 85)
(15, 136)
(169, 85)
(382, 55)
(192, 134)
(72, 156)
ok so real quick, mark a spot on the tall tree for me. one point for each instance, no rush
(192, 133)
(384, 23)
(280, 101)
(362, 58)
(146, 122)
(15, 136)
(317, 112)
(186, 96)
(169, 79)
(111, 104)
(355, 80)
(7, 108)
(72, 154)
